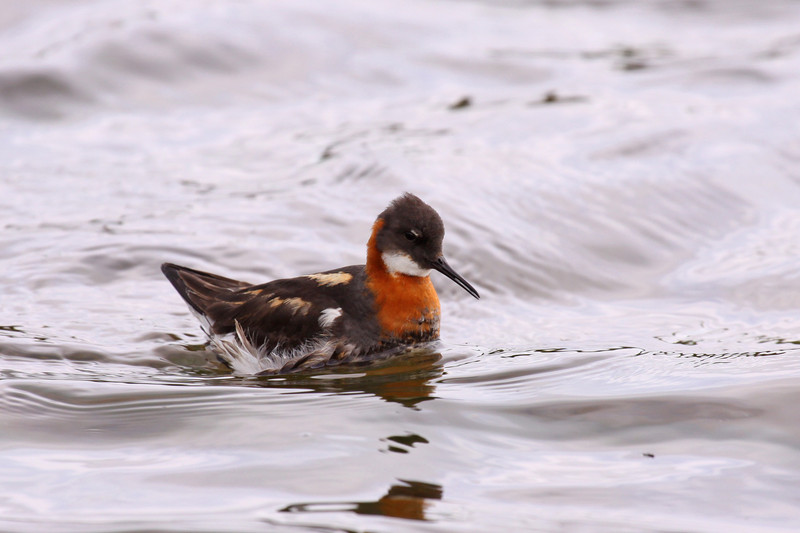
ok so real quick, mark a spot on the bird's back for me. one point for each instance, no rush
(285, 314)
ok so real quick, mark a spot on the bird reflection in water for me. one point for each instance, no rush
(405, 379)
(409, 500)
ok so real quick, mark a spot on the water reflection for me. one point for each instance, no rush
(407, 500)
(407, 379)
(402, 443)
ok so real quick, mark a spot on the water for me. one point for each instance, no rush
(619, 180)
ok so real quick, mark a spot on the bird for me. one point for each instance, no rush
(355, 314)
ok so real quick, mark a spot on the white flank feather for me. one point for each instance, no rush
(247, 359)
(328, 316)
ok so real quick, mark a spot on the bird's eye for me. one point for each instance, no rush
(412, 235)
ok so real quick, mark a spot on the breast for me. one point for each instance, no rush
(407, 307)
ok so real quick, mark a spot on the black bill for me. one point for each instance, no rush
(441, 265)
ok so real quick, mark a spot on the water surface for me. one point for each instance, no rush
(619, 180)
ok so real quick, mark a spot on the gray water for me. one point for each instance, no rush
(619, 179)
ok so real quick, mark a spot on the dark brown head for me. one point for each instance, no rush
(408, 235)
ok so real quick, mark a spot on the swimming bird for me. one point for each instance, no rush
(347, 315)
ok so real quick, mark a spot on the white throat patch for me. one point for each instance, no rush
(400, 263)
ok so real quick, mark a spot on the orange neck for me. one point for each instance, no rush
(407, 306)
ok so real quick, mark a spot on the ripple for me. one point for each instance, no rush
(42, 94)
(636, 254)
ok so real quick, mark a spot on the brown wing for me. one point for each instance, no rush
(199, 289)
(279, 313)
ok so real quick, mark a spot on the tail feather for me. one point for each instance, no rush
(200, 289)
